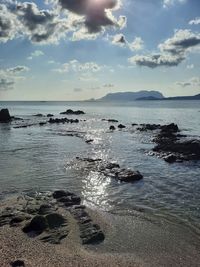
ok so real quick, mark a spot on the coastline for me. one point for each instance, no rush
(136, 240)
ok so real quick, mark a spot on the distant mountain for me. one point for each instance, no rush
(131, 96)
(195, 97)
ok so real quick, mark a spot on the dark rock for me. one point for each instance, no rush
(112, 128)
(61, 193)
(170, 158)
(50, 115)
(111, 165)
(89, 141)
(72, 112)
(110, 120)
(170, 128)
(5, 115)
(45, 209)
(121, 126)
(17, 263)
(63, 120)
(55, 220)
(17, 219)
(134, 124)
(38, 224)
(125, 175)
(149, 127)
(42, 123)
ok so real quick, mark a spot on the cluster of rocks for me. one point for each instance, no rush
(63, 120)
(120, 126)
(112, 170)
(46, 216)
(72, 112)
(170, 144)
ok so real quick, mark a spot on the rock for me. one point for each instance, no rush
(38, 115)
(5, 115)
(134, 124)
(17, 219)
(125, 175)
(63, 120)
(121, 126)
(61, 193)
(55, 220)
(170, 128)
(170, 158)
(149, 127)
(42, 123)
(50, 115)
(44, 209)
(89, 141)
(110, 120)
(111, 165)
(38, 224)
(112, 128)
(17, 263)
(72, 112)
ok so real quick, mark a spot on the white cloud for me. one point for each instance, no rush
(195, 21)
(193, 82)
(172, 52)
(36, 53)
(168, 3)
(9, 76)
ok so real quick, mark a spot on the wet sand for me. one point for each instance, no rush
(137, 240)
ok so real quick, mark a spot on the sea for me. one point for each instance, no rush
(44, 158)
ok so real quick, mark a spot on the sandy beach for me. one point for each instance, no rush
(136, 240)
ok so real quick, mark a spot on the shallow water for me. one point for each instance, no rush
(44, 158)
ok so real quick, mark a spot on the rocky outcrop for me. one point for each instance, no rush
(72, 112)
(169, 143)
(63, 120)
(113, 170)
(46, 217)
(5, 115)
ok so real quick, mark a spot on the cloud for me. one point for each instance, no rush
(195, 21)
(27, 20)
(83, 19)
(17, 69)
(172, 52)
(9, 76)
(6, 84)
(97, 14)
(36, 53)
(168, 3)
(77, 90)
(76, 66)
(194, 81)
(120, 40)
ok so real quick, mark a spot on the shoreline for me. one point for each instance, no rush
(129, 241)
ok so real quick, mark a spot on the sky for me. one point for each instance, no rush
(83, 49)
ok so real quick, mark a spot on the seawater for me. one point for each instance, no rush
(44, 158)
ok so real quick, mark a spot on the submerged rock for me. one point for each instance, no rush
(50, 115)
(5, 115)
(112, 128)
(121, 126)
(72, 112)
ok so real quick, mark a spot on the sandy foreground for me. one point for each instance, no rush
(129, 241)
